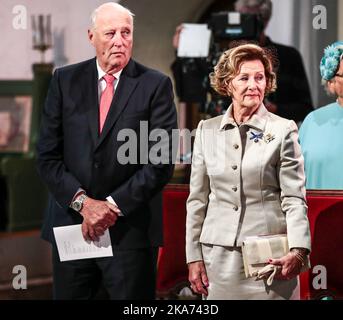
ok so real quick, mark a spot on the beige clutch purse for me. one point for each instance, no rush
(257, 251)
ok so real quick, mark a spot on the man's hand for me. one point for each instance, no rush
(197, 276)
(91, 233)
(176, 37)
(98, 216)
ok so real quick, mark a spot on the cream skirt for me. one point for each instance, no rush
(227, 281)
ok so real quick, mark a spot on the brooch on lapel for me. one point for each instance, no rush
(260, 136)
(269, 137)
(256, 136)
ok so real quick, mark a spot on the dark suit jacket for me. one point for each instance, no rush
(293, 95)
(72, 155)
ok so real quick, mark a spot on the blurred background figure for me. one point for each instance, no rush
(191, 74)
(321, 132)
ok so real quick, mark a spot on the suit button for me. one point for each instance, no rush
(235, 208)
(234, 188)
(236, 146)
(234, 167)
(96, 165)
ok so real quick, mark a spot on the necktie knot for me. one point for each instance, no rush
(109, 78)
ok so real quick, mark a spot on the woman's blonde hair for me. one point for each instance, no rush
(230, 62)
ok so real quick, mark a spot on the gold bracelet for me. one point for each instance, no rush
(300, 254)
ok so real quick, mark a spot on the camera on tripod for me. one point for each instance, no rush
(194, 84)
(227, 27)
(235, 26)
(232, 26)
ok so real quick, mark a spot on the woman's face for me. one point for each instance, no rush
(247, 88)
(336, 83)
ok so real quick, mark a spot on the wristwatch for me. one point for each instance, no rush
(77, 204)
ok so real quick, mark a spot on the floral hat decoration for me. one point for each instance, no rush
(333, 54)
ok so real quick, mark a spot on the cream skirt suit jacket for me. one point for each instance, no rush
(246, 180)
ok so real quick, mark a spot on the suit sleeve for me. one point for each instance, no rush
(293, 193)
(153, 176)
(51, 168)
(197, 201)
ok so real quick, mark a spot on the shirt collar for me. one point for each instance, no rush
(101, 72)
(257, 121)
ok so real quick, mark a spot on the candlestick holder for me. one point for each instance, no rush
(41, 34)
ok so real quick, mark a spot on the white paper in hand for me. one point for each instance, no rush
(72, 246)
(194, 41)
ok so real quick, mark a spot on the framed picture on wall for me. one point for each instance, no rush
(15, 116)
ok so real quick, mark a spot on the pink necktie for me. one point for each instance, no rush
(106, 99)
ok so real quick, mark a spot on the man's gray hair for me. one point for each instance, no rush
(112, 4)
(264, 6)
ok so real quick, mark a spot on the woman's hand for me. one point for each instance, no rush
(290, 266)
(197, 277)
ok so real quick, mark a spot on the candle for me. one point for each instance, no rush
(34, 31)
(48, 30)
(41, 30)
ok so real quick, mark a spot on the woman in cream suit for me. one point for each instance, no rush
(247, 179)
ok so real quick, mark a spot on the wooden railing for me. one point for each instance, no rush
(325, 214)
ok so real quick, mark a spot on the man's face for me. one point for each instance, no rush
(112, 38)
(252, 10)
(249, 9)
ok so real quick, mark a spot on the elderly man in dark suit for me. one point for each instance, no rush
(88, 106)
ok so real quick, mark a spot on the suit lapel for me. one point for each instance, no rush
(91, 98)
(127, 84)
